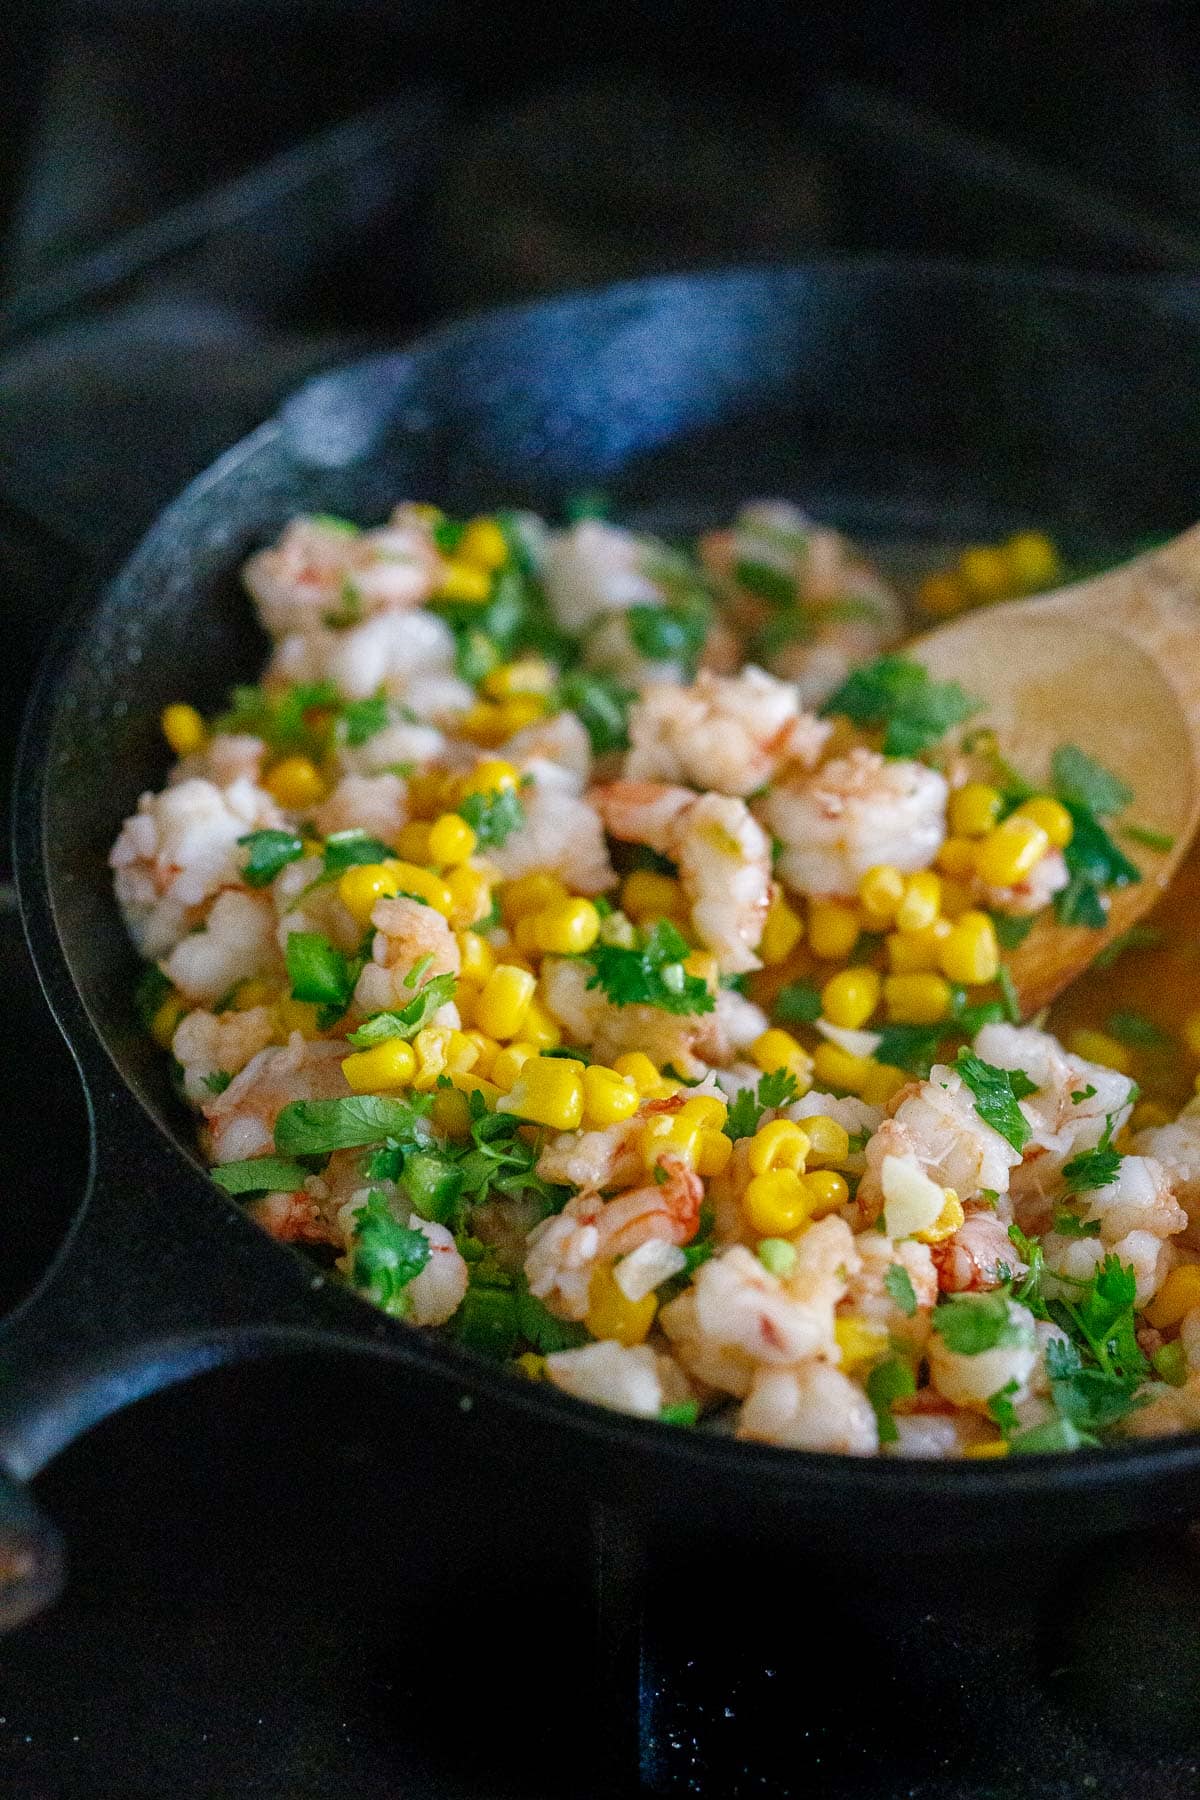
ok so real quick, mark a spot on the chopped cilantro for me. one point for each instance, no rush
(319, 972)
(1100, 1322)
(541, 1329)
(406, 1021)
(285, 721)
(268, 853)
(360, 720)
(493, 816)
(799, 1003)
(671, 633)
(350, 607)
(1069, 1224)
(315, 1127)
(1029, 1292)
(1094, 1169)
(603, 703)
(587, 503)
(997, 1092)
(890, 1380)
(1055, 1435)
(335, 522)
(1080, 779)
(1001, 1408)
(496, 1160)
(969, 1324)
(218, 1081)
(897, 693)
(702, 1245)
(683, 1412)
(1094, 863)
(653, 975)
(898, 1285)
(475, 655)
(1151, 839)
(1090, 1397)
(345, 849)
(1008, 988)
(1134, 1028)
(1081, 1094)
(913, 1048)
(387, 1255)
(775, 1089)
(152, 989)
(1012, 930)
(260, 1175)
(764, 581)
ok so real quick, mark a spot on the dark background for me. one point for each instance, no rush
(200, 204)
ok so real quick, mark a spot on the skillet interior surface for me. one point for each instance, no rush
(900, 403)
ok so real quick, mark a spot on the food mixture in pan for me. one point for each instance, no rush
(595, 948)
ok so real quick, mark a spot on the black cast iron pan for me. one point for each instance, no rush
(898, 401)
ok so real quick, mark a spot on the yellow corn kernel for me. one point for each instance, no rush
(462, 1052)
(826, 1191)
(974, 809)
(706, 1111)
(1147, 1115)
(648, 895)
(451, 840)
(529, 675)
(565, 928)
(666, 1134)
(410, 878)
(849, 998)
(611, 1314)
(859, 1342)
(166, 1019)
(881, 891)
(391, 1064)
(296, 1015)
(505, 1000)
(548, 1091)
(946, 1223)
(713, 1156)
(1179, 1293)
(1010, 852)
(295, 783)
(482, 544)
(477, 959)
(636, 1065)
(466, 998)
(518, 712)
(1033, 561)
(832, 929)
(450, 1113)
(970, 954)
(915, 952)
(1051, 815)
(463, 582)
(941, 594)
(956, 898)
(483, 724)
(838, 1068)
(362, 885)
(884, 1080)
(828, 1142)
(608, 1098)
(470, 896)
(916, 999)
(985, 571)
(413, 841)
(470, 1081)
(431, 1046)
(183, 729)
(509, 1062)
(921, 903)
(1099, 1047)
(957, 857)
(779, 1145)
(778, 1049)
(530, 894)
(776, 1203)
(531, 1365)
(540, 1028)
(486, 1052)
(703, 963)
(986, 1450)
(491, 776)
(255, 992)
(783, 929)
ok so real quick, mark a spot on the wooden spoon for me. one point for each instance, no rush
(1111, 664)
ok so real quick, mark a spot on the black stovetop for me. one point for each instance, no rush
(255, 1608)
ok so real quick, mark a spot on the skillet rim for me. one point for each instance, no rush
(875, 1479)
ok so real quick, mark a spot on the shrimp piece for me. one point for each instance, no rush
(178, 850)
(401, 743)
(406, 933)
(292, 1218)
(936, 1127)
(933, 1436)
(723, 853)
(594, 568)
(561, 834)
(235, 943)
(628, 1378)
(206, 1045)
(1169, 1410)
(728, 734)
(317, 570)
(971, 1380)
(593, 1159)
(410, 656)
(377, 804)
(980, 1254)
(225, 758)
(303, 901)
(1047, 878)
(814, 1407)
(1177, 1148)
(691, 1042)
(559, 742)
(867, 1295)
(241, 1121)
(857, 811)
(564, 1250)
(436, 1294)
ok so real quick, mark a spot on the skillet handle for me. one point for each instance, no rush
(31, 1557)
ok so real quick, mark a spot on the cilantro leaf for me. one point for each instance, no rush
(318, 972)
(218, 1081)
(1069, 1224)
(269, 852)
(260, 1175)
(683, 1412)
(778, 1088)
(1055, 1435)
(969, 1324)
(890, 1380)
(285, 721)
(1092, 1169)
(1012, 929)
(765, 582)
(653, 975)
(913, 1048)
(899, 694)
(603, 703)
(1001, 1408)
(314, 1127)
(1162, 841)
(1091, 1398)
(496, 1160)
(898, 1285)
(996, 1094)
(799, 1003)
(345, 849)
(539, 1327)
(1094, 863)
(671, 633)
(360, 720)
(1080, 778)
(493, 816)
(406, 1021)
(151, 990)
(387, 1255)
(1029, 1293)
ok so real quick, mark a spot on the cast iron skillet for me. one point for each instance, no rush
(902, 401)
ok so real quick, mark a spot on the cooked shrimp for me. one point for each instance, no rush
(594, 1159)
(723, 853)
(408, 655)
(565, 1249)
(1177, 1148)
(207, 1045)
(629, 1378)
(691, 1042)
(225, 758)
(595, 568)
(936, 1127)
(317, 571)
(813, 1407)
(559, 744)
(867, 1295)
(241, 1121)
(853, 813)
(235, 943)
(400, 745)
(980, 1254)
(294, 1218)
(561, 834)
(728, 734)
(1047, 878)
(377, 804)
(436, 1294)
(971, 1380)
(406, 933)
